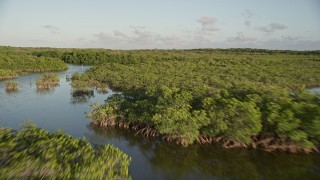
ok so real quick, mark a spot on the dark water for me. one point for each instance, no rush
(151, 159)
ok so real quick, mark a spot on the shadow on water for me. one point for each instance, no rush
(11, 91)
(211, 161)
(81, 97)
(45, 91)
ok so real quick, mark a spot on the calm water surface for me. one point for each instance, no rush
(151, 159)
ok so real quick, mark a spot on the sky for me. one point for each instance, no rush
(161, 24)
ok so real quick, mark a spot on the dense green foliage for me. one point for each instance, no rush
(237, 95)
(98, 56)
(83, 84)
(219, 71)
(30, 63)
(5, 73)
(15, 60)
(35, 153)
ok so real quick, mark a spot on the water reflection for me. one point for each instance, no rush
(68, 77)
(11, 91)
(210, 161)
(83, 96)
(45, 91)
(80, 97)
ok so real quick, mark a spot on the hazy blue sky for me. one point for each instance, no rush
(136, 24)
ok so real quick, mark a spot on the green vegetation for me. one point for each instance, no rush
(83, 89)
(7, 74)
(11, 86)
(47, 81)
(239, 99)
(83, 84)
(19, 60)
(35, 153)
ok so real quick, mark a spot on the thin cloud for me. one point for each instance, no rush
(140, 35)
(173, 39)
(137, 27)
(118, 33)
(247, 23)
(277, 26)
(247, 14)
(293, 44)
(52, 29)
(80, 39)
(290, 38)
(199, 39)
(208, 23)
(104, 36)
(241, 36)
(37, 41)
(272, 27)
(137, 35)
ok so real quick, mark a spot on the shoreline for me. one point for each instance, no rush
(26, 72)
(7, 77)
(266, 142)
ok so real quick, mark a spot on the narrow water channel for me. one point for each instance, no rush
(151, 159)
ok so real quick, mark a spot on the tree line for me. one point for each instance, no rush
(15, 61)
